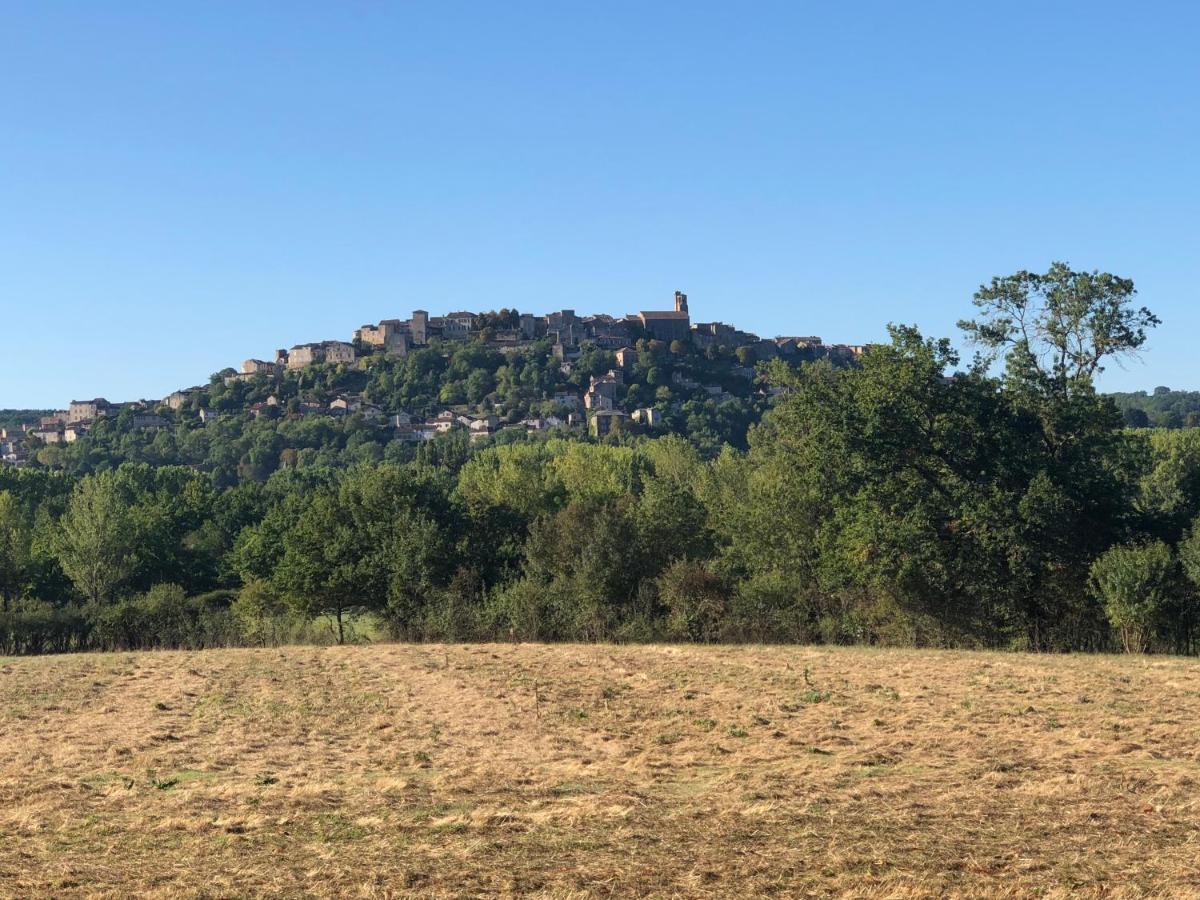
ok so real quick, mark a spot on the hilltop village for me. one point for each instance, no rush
(600, 400)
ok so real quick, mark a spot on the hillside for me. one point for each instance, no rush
(597, 771)
(243, 427)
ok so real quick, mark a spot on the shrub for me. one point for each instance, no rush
(769, 608)
(35, 626)
(455, 614)
(1133, 582)
(697, 600)
(259, 614)
(524, 610)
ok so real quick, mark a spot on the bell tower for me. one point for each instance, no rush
(680, 301)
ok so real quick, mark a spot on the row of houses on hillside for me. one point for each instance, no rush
(510, 330)
(69, 425)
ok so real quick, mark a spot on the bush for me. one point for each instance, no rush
(260, 615)
(35, 626)
(524, 610)
(768, 608)
(697, 600)
(455, 615)
(1134, 583)
(162, 618)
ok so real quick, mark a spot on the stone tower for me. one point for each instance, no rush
(419, 326)
(680, 301)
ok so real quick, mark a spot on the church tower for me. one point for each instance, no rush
(680, 301)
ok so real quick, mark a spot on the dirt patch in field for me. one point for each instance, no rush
(584, 771)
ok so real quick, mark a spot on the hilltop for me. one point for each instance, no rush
(598, 771)
(493, 376)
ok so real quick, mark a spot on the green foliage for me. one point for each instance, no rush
(38, 626)
(367, 543)
(697, 601)
(163, 617)
(904, 499)
(1189, 554)
(1057, 329)
(16, 545)
(1169, 491)
(1134, 582)
(1161, 408)
(260, 615)
(97, 548)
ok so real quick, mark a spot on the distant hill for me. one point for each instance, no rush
(1162, 408)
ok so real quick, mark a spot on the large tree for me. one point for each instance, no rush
(15, 543)
(1058, 328)
(368, 543)
(974, 503)
(96, 545)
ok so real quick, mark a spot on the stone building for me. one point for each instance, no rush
(418, 327)
(602, 392)
(528, 327)
(332, 352)
(303, 355)
(392, 335)
(648, 416)
(606, 421)
(259, 367)
(669, 325)
(338, 352)
(177, 399)
(564, 327)
(49, 434)
(718, 334)
(88, 410)
(462, 322)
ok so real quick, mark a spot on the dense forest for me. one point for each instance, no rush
(909, 499)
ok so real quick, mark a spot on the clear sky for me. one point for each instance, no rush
(187, 184)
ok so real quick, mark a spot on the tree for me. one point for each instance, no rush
(1056, 331)
(1136, 418)
(96, 543)
(581, 574)
(1058, 328)
(1186, 612)
(365, 544)
(1134, 583)
(15, 545)
(320, 569)
(258, 612)
(1189, 554)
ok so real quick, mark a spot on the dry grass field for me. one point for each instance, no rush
(586, 771)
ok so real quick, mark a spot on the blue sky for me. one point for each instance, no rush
(184, 185)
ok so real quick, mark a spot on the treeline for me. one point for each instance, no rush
(907, 501)
(1163, 408)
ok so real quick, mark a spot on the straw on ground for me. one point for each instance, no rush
(598, 771)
